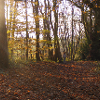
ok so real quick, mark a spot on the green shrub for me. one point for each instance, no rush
(83, 51)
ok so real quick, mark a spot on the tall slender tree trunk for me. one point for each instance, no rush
(56, 41)
(13, 31)
(3, 37)
(44, 24)
(72, 34)
(37, 31)
(35, 13)
(51, 50)
(27, 36)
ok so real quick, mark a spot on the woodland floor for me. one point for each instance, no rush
(51, 81)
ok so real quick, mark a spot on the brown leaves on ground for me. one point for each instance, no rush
(51, 81)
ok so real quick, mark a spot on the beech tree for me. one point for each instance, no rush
(91, 10)
(55, 31)
(94, 32)
(35, 13)
(3, 37)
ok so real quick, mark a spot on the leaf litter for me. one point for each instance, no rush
(51, 81)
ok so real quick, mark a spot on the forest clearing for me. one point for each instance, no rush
(77, 80)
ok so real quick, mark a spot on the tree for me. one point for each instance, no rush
(3, 37)
(93, 31)
(72, 58)
(27, 36)
(35, 12)
(46, 24)
(55, 31)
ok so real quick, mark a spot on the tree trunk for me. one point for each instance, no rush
(95, 38)
(35, 12)
(72, 34)
(27, 36)
(3, 37)
(37, 31)
(56, 42)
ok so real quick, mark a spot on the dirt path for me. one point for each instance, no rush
(51, 81)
